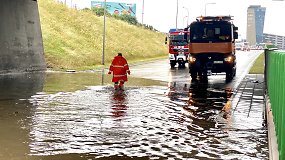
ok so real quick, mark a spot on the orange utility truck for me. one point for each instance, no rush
(212, 46)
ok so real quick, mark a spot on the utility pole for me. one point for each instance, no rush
(142, 10)
(104, 35)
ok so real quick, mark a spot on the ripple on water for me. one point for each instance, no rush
(137, 122)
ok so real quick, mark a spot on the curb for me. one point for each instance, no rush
(272, 139)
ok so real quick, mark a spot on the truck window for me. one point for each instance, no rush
(204, 33)
(177, 40)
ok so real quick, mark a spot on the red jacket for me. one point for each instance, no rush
(120, 68)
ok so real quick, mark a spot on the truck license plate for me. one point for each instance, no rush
(218, 62)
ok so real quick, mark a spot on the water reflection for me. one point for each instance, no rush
(119, 105)
(205, 105)
(18, 86)
(207, 116)
(208, 104)
(16, 112)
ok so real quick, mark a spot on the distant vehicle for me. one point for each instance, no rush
(242, 46)
(260, 46)
(245, 46)
(212, 46)
(238, 46)
(178, 48)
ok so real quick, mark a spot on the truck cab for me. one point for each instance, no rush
(212, 46)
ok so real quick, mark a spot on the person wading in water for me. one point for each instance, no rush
(120, 69)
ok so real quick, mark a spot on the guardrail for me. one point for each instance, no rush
(274, 76)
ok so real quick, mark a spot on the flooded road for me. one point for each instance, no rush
(161, 114)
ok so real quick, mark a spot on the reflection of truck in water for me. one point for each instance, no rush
(211, 46)
(178, 47)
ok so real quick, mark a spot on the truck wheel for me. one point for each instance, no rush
(204, 75)
(181, 64)
(200, 74)
(229, 75)
(172, 64)
(193, 74)
(234, 72)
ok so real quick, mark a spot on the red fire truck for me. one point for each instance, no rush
(178, 47)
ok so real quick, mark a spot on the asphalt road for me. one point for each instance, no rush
(160, 70)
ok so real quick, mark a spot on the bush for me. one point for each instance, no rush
(127, 18)
(99, 11)
(86, 9)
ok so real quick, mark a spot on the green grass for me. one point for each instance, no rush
(258, 66)
(73, 38)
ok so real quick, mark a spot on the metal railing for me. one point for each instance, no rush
(274, 76)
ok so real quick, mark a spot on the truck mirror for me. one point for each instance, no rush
(186, 36)
(235, 35)
(165, 40)
(235, 28)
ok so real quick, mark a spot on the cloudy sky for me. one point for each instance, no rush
(161, 14)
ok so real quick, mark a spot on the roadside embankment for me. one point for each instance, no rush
(73, 38)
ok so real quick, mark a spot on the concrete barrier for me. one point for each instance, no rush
(21, 45)
(272, 139)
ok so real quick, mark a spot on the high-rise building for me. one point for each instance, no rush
(255, 24)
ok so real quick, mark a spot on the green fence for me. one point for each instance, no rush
(275, 83)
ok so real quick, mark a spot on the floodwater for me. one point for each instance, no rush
(78, 116)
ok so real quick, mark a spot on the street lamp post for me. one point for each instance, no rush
(187, 15)
(206, 7)
(176, 13)
(104, 35)
(184, 19)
